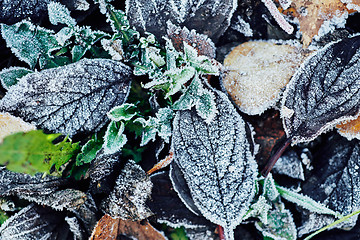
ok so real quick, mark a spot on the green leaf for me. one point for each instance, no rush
(124, 112)
(64, 35)
(58, 13)
(270, 191)
(280, 225)
(28, 42)
(89, 151)
(305, 202)
(10, 76)
(34, 152)
(178, 234)
(179, 77)
(77, 52)
(114, 138)
(3, 217)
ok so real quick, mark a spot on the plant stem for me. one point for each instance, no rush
(271, 162)
(221, 232)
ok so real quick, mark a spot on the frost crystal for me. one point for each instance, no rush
(58, 13)
(70, 99)
(243, 27)
(324, 91)
(216, 162)
(10, 76)
(132, 189)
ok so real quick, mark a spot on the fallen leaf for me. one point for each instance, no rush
(200, 42)
(70, 99)
(258, 71)
(109, 228)
(209, 17)
(132, 189)
(350, 129)
(313, 15)
(323, 92)
(217, 163)
(36, 222)
(10, 124)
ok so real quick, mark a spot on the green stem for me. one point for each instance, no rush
(333, 224)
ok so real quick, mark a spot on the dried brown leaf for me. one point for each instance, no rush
(350, 129)
(10, 124)
(109, 228)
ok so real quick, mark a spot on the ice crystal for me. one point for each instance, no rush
(290, 164)
(70, 99)
(127, 200)
(324, 91)
(114, 138)
(243, 27)
(217, 163)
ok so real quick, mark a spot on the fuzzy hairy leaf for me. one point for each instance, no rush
(34, 152)
(89, 151)
(127, 200)
(323, 92)
(58, 13)
(122, 113)
(216, 162)
(10, 76)
(280, 225)
(114, 138)
(210, 17)
(29, 42)
(70, 99)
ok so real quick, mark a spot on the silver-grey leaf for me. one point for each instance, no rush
(36, 222)
(216, 162)
(323, 92)
(210, 17)
(132, 189)
(70, 99)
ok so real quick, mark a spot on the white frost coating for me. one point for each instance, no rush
(285, 4)
(337, 21)
(72, 98)
(132, 189)
(217, 163)
(243, 27)
(114, 48)
(289, 164)
(82, 5)
(58, 13)
(74, 226)
(324, 104)
(278, 17)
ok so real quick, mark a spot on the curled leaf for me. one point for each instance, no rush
(323, 92)
(70, 99)
(217, 163)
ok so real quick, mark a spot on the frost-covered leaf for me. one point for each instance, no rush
(201, 42)
(280, 225)
(257, 72)
(36, 222)
(103, 172)
(34, 152)
(290, 164)
(24, 185)
(201, 63)
(29, 42)
(70, 99)
(202, 98)
(58, 13)
(269, 189)
(160, 125)
(10, 76)
(210, 17)
(259, 209)
(114, 138)
(335, 179)
(10, 125)
(305, 201)
(16, 10)
(122, 113)
(115, 228)
(127, 200)
(89, 150)
(323, 92)
(178, 78)
(217, 163)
